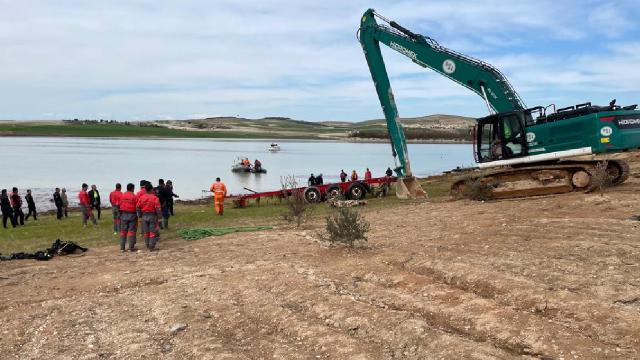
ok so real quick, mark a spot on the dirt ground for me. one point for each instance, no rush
(555, 277)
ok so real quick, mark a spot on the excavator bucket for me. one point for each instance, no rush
(409, 188)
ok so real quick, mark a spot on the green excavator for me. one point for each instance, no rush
(522, 151)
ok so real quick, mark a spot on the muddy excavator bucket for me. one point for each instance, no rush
(409, 188)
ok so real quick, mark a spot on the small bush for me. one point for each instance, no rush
(296, 203)
(601, 177)
(475, 189)
(346, 226)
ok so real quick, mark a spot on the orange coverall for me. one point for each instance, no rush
(219, 191)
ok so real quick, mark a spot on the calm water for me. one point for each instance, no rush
(44, 163)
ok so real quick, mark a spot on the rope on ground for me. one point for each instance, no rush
(199, 233)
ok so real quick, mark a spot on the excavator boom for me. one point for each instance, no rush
(476, 75)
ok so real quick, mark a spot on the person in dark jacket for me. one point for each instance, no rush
(319, 180)
(173, 195)
(162, 192)
(16, 206)
(389, 172)
(343, 176)
(31, 205)
(57, 201)
(312, 180)
(94, 198)
(7, 211)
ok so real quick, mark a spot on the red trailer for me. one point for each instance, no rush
(353, 190)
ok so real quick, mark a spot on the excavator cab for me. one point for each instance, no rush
(501, 136)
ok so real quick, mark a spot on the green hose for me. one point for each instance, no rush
(199, 233)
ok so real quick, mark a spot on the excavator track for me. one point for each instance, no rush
(543, 179)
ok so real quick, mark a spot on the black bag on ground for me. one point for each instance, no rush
(57, 248)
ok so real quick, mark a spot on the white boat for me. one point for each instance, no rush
(274, 147)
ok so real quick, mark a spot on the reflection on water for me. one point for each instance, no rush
(43, 163)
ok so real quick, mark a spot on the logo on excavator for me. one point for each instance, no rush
(606, 131)
(403, 50)
(531, 136)
(627, 122)
(448, 66)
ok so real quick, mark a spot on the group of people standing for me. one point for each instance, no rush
(318, 180)
(354, 175)
(11, 207)
(150, 208)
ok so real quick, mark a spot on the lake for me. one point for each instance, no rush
(43, 163)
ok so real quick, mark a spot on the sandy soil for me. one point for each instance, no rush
(554, 277)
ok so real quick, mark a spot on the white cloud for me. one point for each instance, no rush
(146, 59)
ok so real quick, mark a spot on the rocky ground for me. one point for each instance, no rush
(555, 277)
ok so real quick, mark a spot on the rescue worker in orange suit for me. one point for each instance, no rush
(128, 220)
(85, 206)
(114, 199)
(354, 176)
(367, 174)
(219, 191)
(148, 208)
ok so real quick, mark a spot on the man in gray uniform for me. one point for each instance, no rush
(128, 219)
(148, 207)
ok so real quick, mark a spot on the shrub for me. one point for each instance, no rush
(476, 189)
(601, 177)
(346, 226)
(296, 203)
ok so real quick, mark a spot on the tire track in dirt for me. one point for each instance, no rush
(483, 321)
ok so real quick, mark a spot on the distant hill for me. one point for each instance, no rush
(432, 127)
(437, 121)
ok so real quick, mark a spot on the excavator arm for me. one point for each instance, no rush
(476, 75)
(480, 77)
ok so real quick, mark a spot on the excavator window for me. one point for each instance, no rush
(488, 134)
(513, 135)
(501, 137)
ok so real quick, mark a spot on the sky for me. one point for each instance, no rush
(147, 60)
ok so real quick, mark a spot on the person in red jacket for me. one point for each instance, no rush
(85, 206)
(148, 208)
(142, 191)
(114, 199)
(16, 204)
(128, 218)
(367, 174)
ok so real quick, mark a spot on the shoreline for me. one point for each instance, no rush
(283, 139)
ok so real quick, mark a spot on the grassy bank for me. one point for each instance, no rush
(461, 135)
(118, 130)
(38, 235)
